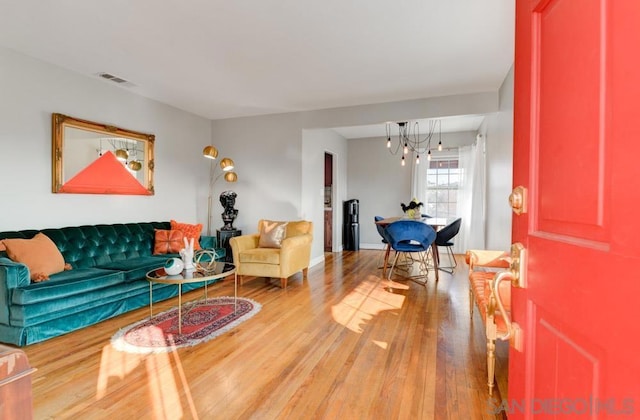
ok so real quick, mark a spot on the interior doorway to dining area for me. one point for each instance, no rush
(452, 184)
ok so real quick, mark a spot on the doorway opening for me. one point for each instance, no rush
(328, 202)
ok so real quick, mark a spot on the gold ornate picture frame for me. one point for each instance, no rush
(94, 158)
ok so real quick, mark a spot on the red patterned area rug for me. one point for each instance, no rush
(201, 321)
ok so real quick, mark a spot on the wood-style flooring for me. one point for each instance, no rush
(340, 345)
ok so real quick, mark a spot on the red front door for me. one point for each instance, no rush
(577, 151)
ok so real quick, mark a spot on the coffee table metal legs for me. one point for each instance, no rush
(153, 279)
(180, 308)
(179, 304)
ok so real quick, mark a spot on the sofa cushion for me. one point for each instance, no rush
(66, 284)
(260, 255)
(136, 268)
(190, 232)
(39, 254)
(272, 234)
(39, 312)
(168, 242)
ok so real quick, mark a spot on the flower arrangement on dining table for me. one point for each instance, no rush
(412, 210)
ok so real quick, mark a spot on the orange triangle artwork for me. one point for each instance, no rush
(105, 175)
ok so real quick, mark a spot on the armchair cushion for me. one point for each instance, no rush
(272, 234)
(261, 256)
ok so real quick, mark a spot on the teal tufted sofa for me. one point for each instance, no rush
(108, 278)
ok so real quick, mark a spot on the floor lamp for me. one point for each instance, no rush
(226, 166)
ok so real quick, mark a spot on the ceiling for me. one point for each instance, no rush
(222, 59)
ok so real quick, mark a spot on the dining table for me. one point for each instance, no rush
(435, 222)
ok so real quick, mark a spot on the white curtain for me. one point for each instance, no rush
(471, 197)
(419, 181)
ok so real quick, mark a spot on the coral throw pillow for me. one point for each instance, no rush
(189, 231)
(168, 242)
(39, 254)
(272, 234)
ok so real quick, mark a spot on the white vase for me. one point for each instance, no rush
(173, 266)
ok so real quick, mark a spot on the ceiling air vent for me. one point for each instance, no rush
(115, 79)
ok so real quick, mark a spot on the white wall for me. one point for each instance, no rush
(31, 90)
(499, 132)
(314, 145)
(274, 168)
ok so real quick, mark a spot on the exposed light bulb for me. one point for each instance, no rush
(402, 161)
(439, 146)
(406, 149)
(417, 159)
(388, 142)
(429, 155)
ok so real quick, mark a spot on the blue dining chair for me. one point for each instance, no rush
(411, 237)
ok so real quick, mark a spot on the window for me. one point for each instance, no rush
(443, 181)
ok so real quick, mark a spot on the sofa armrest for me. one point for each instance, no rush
(12, 275)
(487, 258)
(208, 242)
(499, 296)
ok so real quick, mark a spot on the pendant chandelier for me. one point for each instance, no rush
(125, 150)
(411, 142)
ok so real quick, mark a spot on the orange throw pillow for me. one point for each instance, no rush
(168, 242)
(39, 254)
(190, 231)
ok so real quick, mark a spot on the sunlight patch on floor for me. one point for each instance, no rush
(367, 300)
(382, 344)
(163, 385)
(163, 391)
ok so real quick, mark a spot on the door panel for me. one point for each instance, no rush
(576, 361)
(570, 76)
(577, 151)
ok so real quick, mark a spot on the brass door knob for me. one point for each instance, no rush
(518, 200)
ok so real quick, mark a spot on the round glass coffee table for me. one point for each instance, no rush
(214, 271)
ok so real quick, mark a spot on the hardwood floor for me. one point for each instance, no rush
(341, 345)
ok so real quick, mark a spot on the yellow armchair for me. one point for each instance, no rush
(293, 255)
